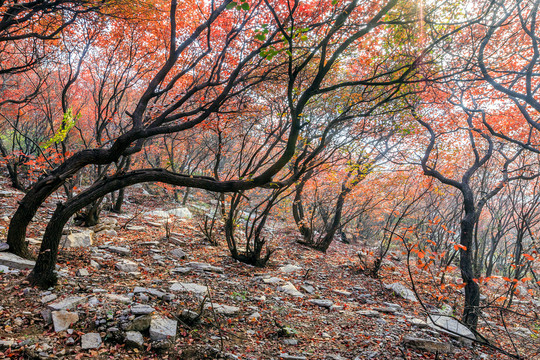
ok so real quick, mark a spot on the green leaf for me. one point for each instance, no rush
(245, 6)
(231, 5)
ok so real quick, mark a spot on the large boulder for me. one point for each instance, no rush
(62, 319)
(83, 238)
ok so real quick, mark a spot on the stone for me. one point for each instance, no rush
(127, 266)
(4, 246)
(82, 272)
(290, 342)
(142, 309)
(255, 316)
(290, 289)
(67, 303)
(90, 341)
(151, 291)
(136, 228)
(181, 270)
(134, 339)
(63, 319)
(182, 213)
(427, 345)
(178, 253)
(205, 267)
(342, 292)
(308, 288)
(285, 356)
(449, 325)
(48, 298)
(119, 298)
(84, 238)
(15, 262)
(387, 309)
(222, 309)
(369, 313)
(322, 303)
(189, 287)
(121, 250)
(95, 264)
(418, 322)
(189, 317)
(7, 343)
(140, 323)
(162, 328)
(5, 270)
(290, 268)
(272, 280)
(402, 291)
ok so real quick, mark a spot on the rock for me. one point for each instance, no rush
(289, 268)
(141, 323)
(418, 322)
(151, 291)
(90, 341)
(402, 291)
(285, 356)
(136, 228)
(7, 343)
(127, 266)
(290, 341)
(162, 328)
(67, 303)
(48, 298)
(119, 298)
(178, 253)
(95, 264)
(387, 310)
(253, 317)
(189, 287)
(63, 319)
(84, 238)
(205, 267)
(5, 270)
(182, 213)
(308, 288)
(142, 309)
(449, 325)
(4, 246)
(272, 280)
(342, 292)
(121, 250)
(189, 317)
(427, 345)
(322, 303)
(82, 272)
(289, 289)
(158, 213)
(181, 270)
(223, 309)
(369, 313)
(134, 339)
(15, 262)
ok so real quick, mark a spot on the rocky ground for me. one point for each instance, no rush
(127, 291)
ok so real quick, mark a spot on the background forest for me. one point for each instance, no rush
(386, 146)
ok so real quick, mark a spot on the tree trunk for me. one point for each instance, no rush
(117, 207)
(472, 291)
(298, 212)
(332, 228)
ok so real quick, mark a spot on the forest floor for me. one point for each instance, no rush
(303, 305)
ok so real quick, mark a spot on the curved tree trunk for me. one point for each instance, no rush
(333, 227)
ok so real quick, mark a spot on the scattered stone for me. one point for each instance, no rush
(418, 322)
(142, 309)
(141, 323)
(95, 264)
(178, 253)
(387, 310)
(7, 343)
(427, 345)
(48, 298)
(342, 292)
(182, 213)
(272, 280)
(189, 287)
(369, 313)
(82, 272)
(84, 238)
(189, 317)
(162, 328)
(223, 309)
(127, 266)
(134, 339)
(119, 250)
(4, 247)
(151, 291)
(205, 267)
(285, 356)
(90, 341)
(290, 341)
(63, 319)
(118, 298)
(181, 270)
(67, 303)
(287, 269)
(322, 303)
(449, 325)
(136, 228)
(289, 289)
(402, 291)
(253, 317)
(15, 262)
(308, 288)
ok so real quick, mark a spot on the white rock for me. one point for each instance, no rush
(119, 250)
(182, 213)
(178, 253)
(402, 291)
(272, 280)
(289, 289)
(189, 287)
(82, 272)
(84, 238)
(222, 309)
(127, 266)
(90, 341)
(63, 319)
(67, 303)
(205, 267)
(142, 309)
(4, 246)
(134, 339)
(289, 268)
(162, 328)
(322, 302)
(15, 262)
(119, 298)
(449, 325)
